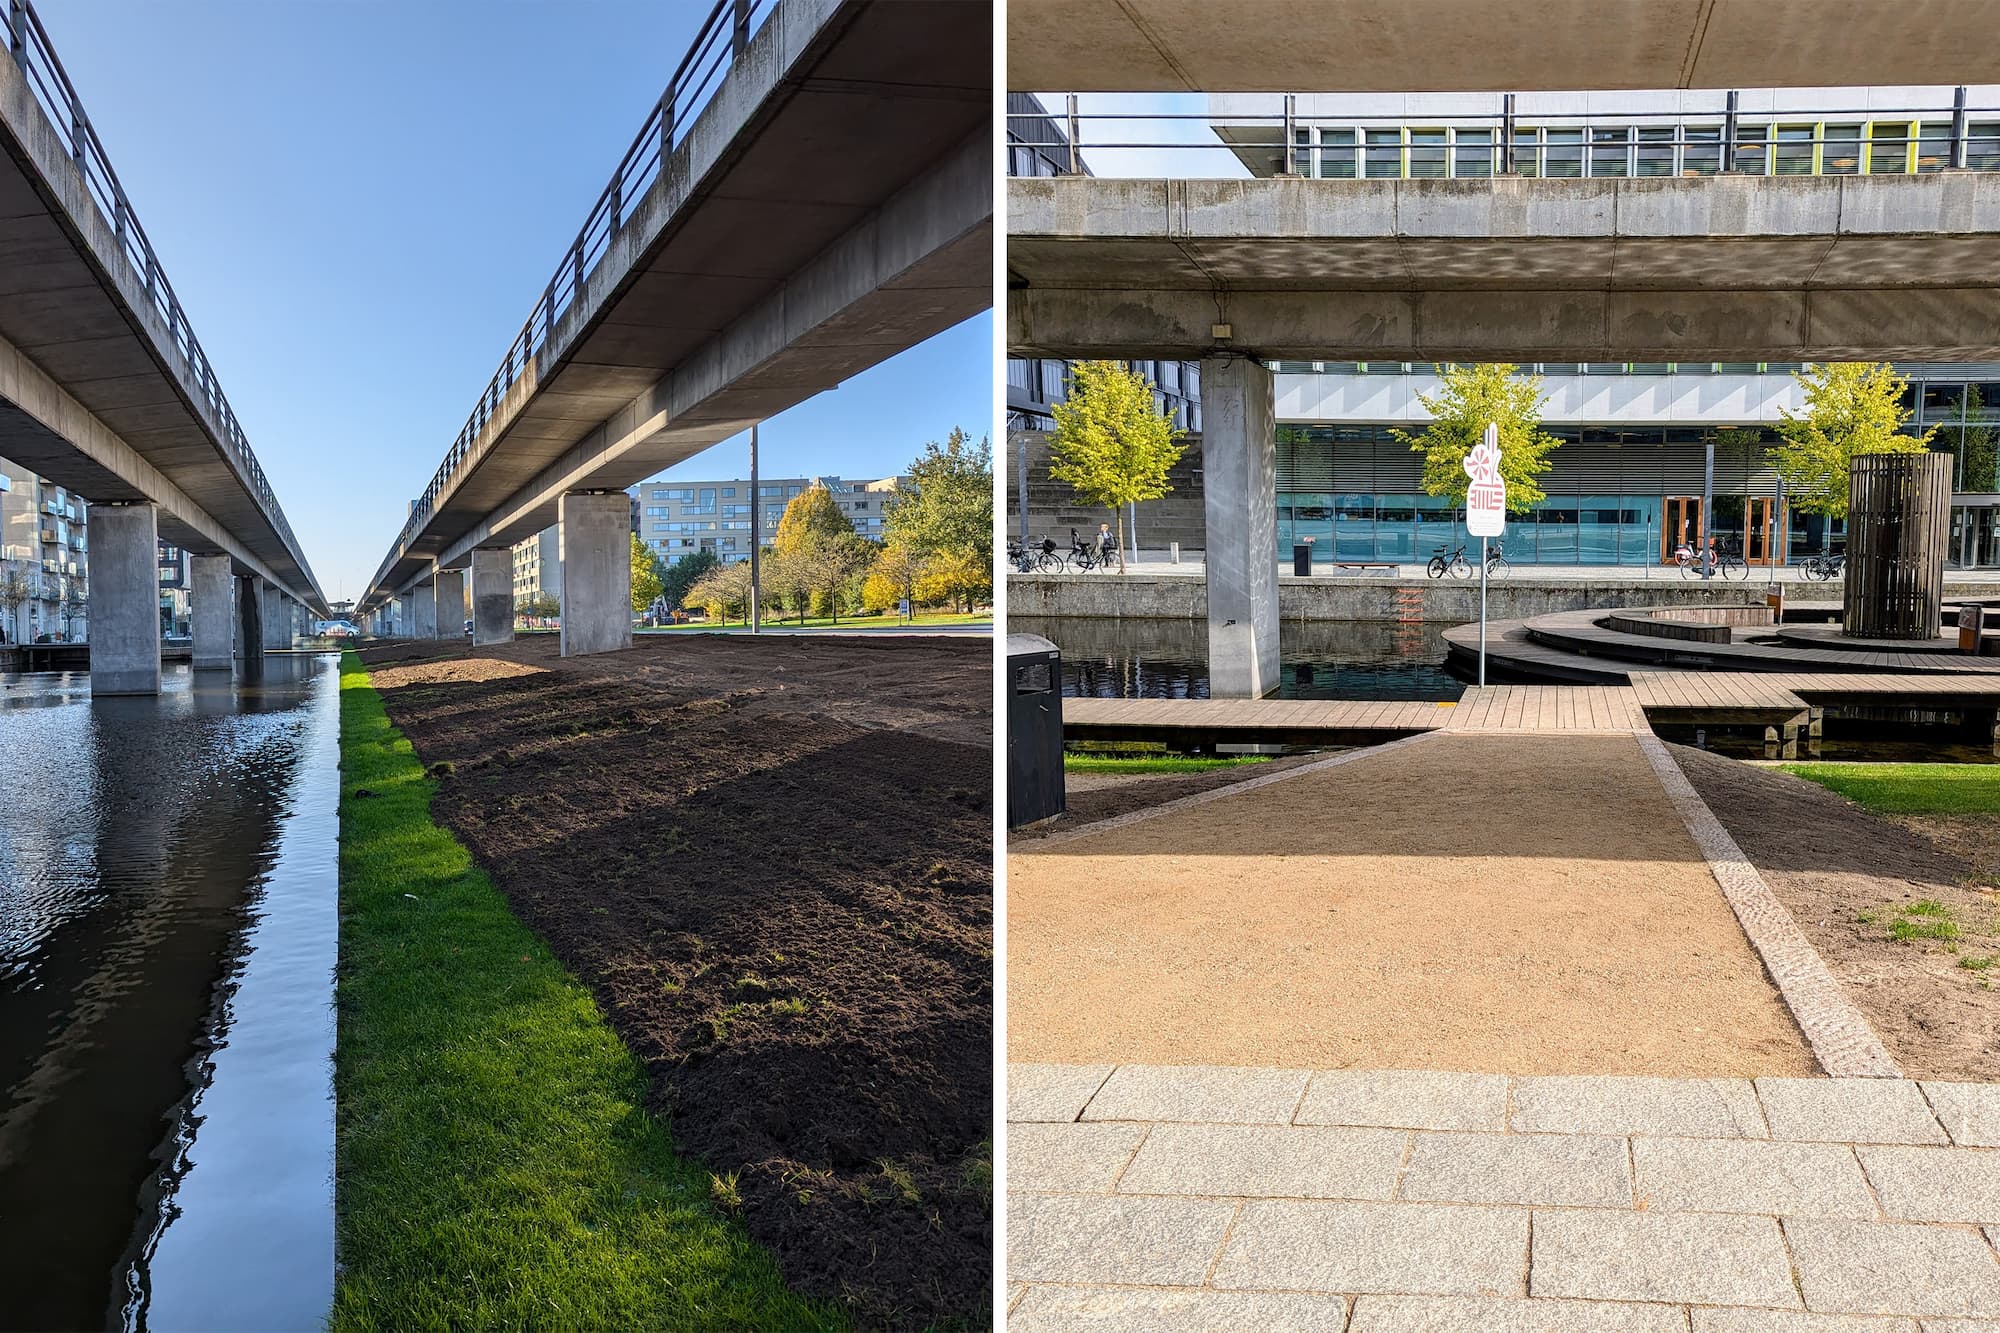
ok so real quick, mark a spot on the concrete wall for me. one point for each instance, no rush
(596, 573)
(1181, 597)
(124, 599)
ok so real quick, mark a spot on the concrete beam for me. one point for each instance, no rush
(450, 584)
(596, 572)
(212, 607)
(903, 274)
(492, 595)
(1489, 45)
(42, 427)
(124, 599)
(1731, 268)
(1240, 498)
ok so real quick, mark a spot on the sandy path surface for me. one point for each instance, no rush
(1524, 904)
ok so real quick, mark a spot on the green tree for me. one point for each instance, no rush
(1112, 443)
(1468, 398)
(683, 574)
(645, 575)
(1852, 408)
(948, 505)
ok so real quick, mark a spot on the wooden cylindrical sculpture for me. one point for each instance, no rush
(1898, 520)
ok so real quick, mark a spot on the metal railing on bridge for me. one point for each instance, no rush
(1506, 141)
(716, 47)
(27, 43)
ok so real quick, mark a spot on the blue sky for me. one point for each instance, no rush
(358, 201)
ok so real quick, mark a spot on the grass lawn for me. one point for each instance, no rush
(1156, 763)
(495, 1164)
(1911, 789)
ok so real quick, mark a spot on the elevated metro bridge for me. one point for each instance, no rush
(106, 391)
(811, 195)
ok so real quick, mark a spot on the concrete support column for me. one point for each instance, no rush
(423, 611)
(451, 603)
(124, 599)
(596, 538)
(212, 607)
(274, 615)
(1240, 489)
(250, 618)
(492, 595)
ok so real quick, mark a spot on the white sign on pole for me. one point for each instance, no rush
(1486, 497)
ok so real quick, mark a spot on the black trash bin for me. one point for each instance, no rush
(1034, 730)
(1302, 559)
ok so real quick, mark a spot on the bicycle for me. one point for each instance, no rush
(1727, 564)
(1084, 556)
(1448, 561)
(1822, 568)
(1497, 564)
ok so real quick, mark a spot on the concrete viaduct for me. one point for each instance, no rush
(105, 391)
(828, 206)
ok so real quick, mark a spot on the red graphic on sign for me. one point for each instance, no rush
(1486, 497)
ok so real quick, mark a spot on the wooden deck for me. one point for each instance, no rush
(1787, 701)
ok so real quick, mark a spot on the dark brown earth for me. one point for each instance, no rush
(1843, 871)
(771, 862)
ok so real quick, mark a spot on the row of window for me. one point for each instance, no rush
(1823, 148)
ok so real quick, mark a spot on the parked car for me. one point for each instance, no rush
(339, 629)
(468, 629)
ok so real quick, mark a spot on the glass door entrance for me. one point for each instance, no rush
(1763, 535)
(1973, 544)
(1681, 525)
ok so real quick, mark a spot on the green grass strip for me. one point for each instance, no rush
(496, 1168)
(1911, 789)
(1165, 763)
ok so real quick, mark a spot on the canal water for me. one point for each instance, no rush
(167, 947)
(1168, 659)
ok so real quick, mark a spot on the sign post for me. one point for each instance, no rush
(1485, 513)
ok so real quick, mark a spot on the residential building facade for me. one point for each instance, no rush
(679, 518)
(44, 541)
(538, 565)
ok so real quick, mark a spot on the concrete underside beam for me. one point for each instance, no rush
(124, 599)
(1240, 496)
(1734, 268)
(1490, 45)
(596, 573)
(450, 585)
(43, 428)
(1878, 325)
(212, 607)
(917, 266)
(492, 595)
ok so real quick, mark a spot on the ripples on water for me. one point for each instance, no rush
(167, 941)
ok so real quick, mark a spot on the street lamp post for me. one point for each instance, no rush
(756, 541)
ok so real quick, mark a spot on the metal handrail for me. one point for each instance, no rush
(1724, 137)
(25, 39)
(721, 40)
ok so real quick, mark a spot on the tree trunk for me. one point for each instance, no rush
(1118, 529)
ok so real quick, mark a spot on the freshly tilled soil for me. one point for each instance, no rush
(770, 861)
